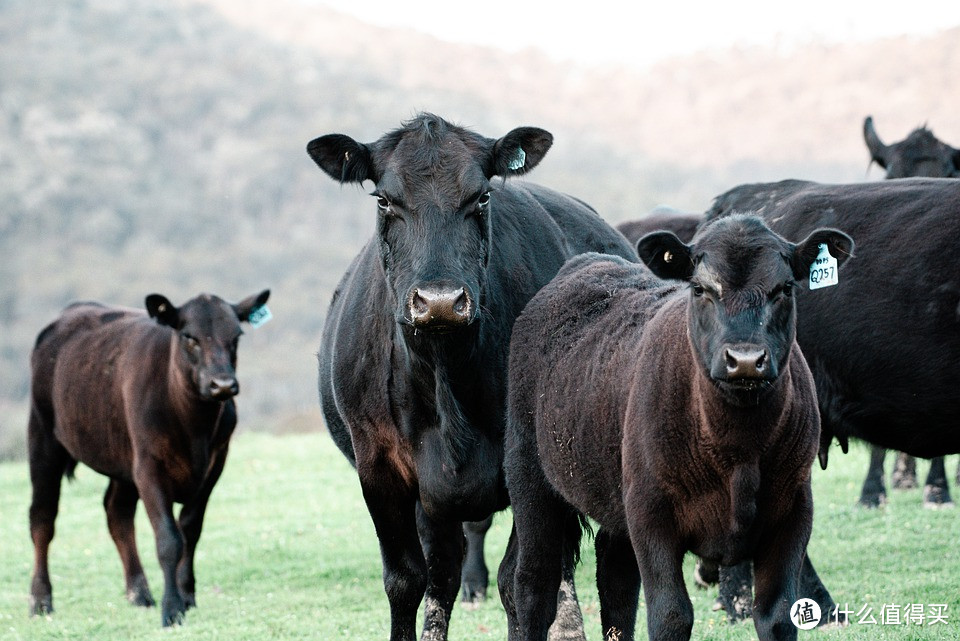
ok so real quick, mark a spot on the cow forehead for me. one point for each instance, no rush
(440, 171)
(734, 261)
(209, 315)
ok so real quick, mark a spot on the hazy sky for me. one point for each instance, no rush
(642, 31)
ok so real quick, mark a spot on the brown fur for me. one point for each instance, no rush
(147, 403)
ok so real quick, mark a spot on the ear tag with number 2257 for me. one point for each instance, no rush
(823, 271)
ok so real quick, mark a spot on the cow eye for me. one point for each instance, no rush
(788, 289)
(192, 343)
(484, 200)
(382, 203)
(697, 289)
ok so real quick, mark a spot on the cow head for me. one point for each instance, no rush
(435, 206)
(207, 332)
(919, 154)
(741, 317)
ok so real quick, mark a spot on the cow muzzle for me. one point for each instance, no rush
(222, 388)
(440, 307)
(744, 366)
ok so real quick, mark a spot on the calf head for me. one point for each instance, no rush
(435, 209)
(919, 154)
(207, 332)
(741, 317)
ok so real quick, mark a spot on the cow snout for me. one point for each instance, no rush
(746, 362)
(440, 306)
(224, 387)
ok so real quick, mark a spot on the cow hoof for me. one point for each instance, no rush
(173, 618)
(473, 593)
(139, 593)
(935, 497)
(173, 611)
(903, 480)
(872, 501)
(41, 606)
(189, 600)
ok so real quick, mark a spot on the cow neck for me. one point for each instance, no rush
(441, 370)
(739, 433)
(197, 415)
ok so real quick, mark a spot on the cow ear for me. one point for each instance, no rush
(805, 252)
(666, 255)
(519, 151)
(250, 304)
(163, 310)
(878, 150)
(342, 158)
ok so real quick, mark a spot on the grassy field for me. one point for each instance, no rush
(288, 552)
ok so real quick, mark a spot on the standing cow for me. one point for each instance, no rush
(680, 418)
(896, 307)
(148, 402)
(919, 155)
(413, 358)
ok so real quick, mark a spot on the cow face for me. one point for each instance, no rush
(436, 209)
(741, 317)
(207, 332)
(919, 154)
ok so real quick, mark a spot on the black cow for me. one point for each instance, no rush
(414, 350)
(680, 418)
(148, 402)
(919, 155)
(882, 345)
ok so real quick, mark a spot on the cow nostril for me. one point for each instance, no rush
(731, 361)
(418, 305)
(461, 305)
(762, 361)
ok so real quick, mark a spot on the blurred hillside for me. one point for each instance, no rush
(159, 146)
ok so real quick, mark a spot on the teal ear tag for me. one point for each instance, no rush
(259, 316)
(518, 160)
(823, 271)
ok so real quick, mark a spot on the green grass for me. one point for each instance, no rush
(288, 552)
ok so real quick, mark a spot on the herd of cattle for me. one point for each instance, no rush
(498, 343)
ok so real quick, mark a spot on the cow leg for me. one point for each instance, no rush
(874, 494)
(736, 591)
(392, 507)
(568, 622)
(539, 517)
(777, 563)
(443, 548)
(660, 557)
(48, 461)
(191, 524)
(812, 588)
(936, 491)
(505, 585)
(159, 507)
(120, 503)
(618, 585)
(904, 472)
(957, 477)
(475, 574)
